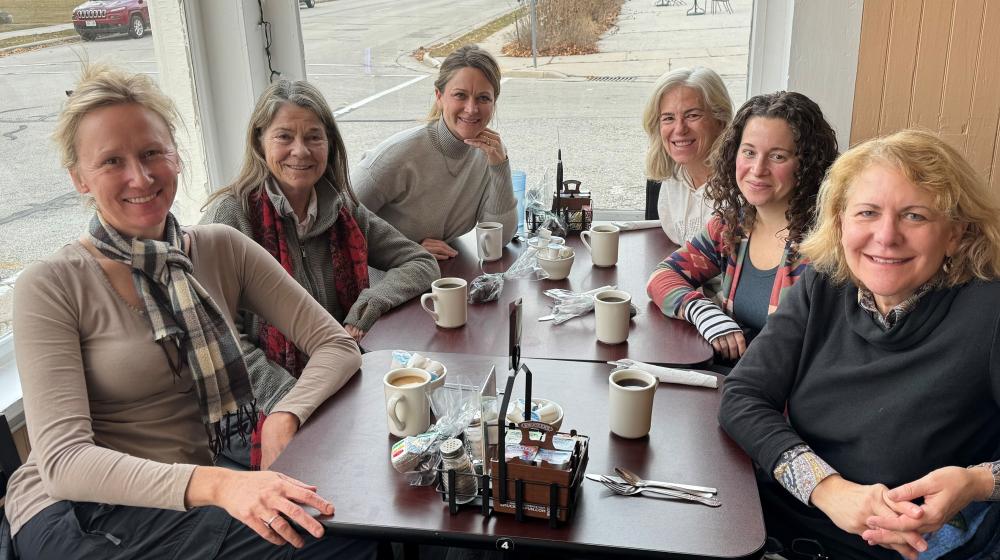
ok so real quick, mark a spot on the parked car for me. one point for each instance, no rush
(102, 17)
(308, 3)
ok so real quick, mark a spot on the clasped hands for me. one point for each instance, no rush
(889, 518)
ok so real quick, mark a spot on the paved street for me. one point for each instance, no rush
(358, 53)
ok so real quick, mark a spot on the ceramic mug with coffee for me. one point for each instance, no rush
(449, 297)
(489, 241)
(406, 404)
(612, 315)
(630, 402)
(602, 242)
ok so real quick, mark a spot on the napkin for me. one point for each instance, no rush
(637, 224)
(671, 375)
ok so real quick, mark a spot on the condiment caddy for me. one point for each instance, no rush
(537, 473)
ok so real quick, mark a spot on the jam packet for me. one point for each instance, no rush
(525, 453)
(555, 458)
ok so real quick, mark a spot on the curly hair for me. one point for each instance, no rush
(815, 148)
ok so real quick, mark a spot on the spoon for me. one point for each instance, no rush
(629, 490)
(636, 480)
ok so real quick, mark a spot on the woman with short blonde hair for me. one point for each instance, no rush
(687, 111)
(873, 394)
(130, 365)
(938, 168)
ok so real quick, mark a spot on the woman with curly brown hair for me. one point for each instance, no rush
(767, 169)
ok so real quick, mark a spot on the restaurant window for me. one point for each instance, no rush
(373, 62)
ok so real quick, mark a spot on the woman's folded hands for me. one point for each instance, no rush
(944, 491)
(850, 506)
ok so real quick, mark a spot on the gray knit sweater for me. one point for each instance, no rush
(409, 271)
(429, 184)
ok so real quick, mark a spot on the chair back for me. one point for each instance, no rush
(9, 459)
(9, 462)
(652, 198)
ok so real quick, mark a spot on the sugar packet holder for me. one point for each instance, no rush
(404, 358)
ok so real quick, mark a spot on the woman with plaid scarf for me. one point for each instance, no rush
(129, 362)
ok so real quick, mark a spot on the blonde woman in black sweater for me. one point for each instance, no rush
(887, 361)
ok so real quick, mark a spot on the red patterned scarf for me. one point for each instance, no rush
(349, 251)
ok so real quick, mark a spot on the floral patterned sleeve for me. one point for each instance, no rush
(800, 470)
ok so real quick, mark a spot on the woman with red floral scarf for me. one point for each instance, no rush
(293, 197)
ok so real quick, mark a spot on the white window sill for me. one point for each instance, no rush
(10, 385)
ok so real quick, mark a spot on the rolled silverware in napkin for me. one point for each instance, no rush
(637, 224)
(670, 375)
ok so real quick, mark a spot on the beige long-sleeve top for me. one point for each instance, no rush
(109, 422)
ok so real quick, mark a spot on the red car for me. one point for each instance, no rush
(102, 17)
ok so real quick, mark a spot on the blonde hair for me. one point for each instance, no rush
(930, 164)
(254, 170)
(659, 165)
(469, 56)
(102, 85)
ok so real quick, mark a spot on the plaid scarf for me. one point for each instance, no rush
(349, 251)
(181, 311)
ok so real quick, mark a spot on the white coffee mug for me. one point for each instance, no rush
(450, 296)
(630, 402)
(489, 240)
(406, 404)
(602, 242)
(611, 316)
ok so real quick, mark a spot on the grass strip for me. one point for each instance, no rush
(472, 37)
(37, 13)
(24, 40)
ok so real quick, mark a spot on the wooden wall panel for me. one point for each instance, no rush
(870, 82)
(963, 56)
(932, 61)
(985, 113)
(932, 64)
(900, 62)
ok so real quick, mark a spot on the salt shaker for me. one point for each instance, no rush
(474, 439)
(454, 456)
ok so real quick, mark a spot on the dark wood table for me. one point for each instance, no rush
(653, 337)
(344, 450)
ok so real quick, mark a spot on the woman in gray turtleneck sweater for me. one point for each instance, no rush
(434, 182)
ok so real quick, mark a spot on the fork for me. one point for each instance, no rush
(629, 490)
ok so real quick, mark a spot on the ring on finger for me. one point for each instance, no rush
(269, 521)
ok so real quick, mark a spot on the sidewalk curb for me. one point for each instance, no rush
(71, 39)
(537, 74)
(432, 62)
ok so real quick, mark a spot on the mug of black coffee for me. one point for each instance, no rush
(630, 402)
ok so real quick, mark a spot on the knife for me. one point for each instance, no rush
(705, 491)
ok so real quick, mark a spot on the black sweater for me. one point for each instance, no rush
(878, 406)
